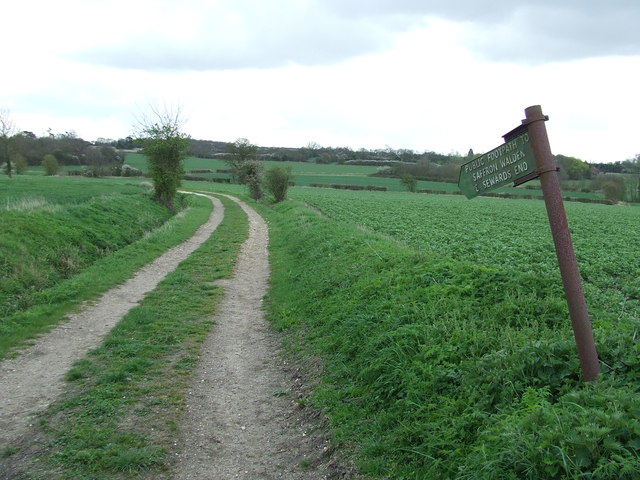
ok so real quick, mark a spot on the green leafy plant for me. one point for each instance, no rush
(277, 181)
(250, 173)
(165, 147)
(50, 164)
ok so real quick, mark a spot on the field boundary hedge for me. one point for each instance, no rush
(349, 187)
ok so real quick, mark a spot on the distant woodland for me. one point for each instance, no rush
(106, 157)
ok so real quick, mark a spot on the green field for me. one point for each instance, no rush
(62, 190)
(491, 231)
(306, 174)
(438, 324)
(193, 163)
(448, 347)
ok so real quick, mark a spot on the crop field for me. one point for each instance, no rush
(510, 236)
(61, 191)
(192, 163)
(486, 231)
(448, 346)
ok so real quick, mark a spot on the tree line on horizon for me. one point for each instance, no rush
(20, 149)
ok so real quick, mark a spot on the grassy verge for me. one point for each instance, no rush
(441, 368)
(64, 190)
(111, 217)
(43, 243)
(116, 418)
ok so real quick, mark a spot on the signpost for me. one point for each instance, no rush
(506, 164)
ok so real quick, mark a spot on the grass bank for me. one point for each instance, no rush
(440, 368)
(60, 247)
(62, 190)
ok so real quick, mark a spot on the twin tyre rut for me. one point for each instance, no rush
(236, 424)
(34, 379)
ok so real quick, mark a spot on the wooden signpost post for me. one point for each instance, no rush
(525, 155)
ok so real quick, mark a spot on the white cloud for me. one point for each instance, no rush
(538, 34)
(220, 35)
(414, 74)
(223, 35)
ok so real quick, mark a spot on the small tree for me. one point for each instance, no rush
(50, 164)
(409, 181)
(165, 147)
(19, 163)
(250, 174)
(613, 191)
(240, 151)
(277, 182)
(7, 130)
(247, 169)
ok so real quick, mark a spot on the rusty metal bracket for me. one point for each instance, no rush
(527, 121)
(526, 178)
(523, 127)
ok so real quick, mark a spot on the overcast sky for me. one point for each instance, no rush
(419, 74)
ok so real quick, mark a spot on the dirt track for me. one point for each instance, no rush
(32, 380)
(241, 420)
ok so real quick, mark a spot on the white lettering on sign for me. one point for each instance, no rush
(520, 169)
(498, 167)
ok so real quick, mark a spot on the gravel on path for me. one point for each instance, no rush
(240, 421)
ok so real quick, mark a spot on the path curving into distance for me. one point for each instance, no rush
(32, 380)
(239, 420)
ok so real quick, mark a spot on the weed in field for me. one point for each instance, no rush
(30, 204)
